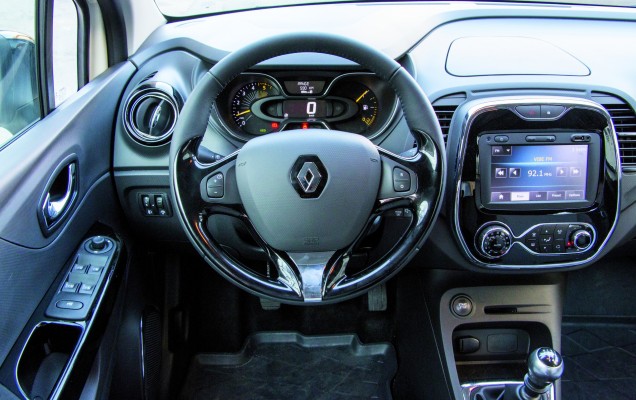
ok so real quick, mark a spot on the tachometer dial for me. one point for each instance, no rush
(242, 112)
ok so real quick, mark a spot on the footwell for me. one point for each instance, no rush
(292, 366)
(600, 362)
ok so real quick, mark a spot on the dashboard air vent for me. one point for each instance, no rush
(624, 120)
(445, 109)
(151, 113)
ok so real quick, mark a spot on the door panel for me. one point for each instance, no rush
(30, 261)
(82, 126)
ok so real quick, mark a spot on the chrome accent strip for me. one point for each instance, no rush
(325, 93)
(157, 89)
(493, 228)
(469, 388)
(311, 267)
(509, 103)
(143, 351)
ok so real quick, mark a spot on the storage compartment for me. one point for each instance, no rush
(496, 351)
(45, 358)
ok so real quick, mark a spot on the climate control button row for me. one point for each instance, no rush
(559, 238)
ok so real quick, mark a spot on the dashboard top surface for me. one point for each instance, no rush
(369, 23)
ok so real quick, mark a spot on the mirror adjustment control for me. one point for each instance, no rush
(98, 243)
(494, 241)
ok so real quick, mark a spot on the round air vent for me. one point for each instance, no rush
(151, 113)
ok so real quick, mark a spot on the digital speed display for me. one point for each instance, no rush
(538, 173)
(305, 109)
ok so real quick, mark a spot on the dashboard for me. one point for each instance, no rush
(538, 123)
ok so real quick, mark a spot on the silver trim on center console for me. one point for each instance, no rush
(509, 103)
(469, 388)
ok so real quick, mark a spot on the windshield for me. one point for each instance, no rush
(186, 8)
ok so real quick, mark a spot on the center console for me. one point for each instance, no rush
(537, 183)
(535, 187)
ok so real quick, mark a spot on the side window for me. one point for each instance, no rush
(21, 99)
(64, 50)
(19, 93)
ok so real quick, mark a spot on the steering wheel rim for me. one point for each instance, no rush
(311, 277)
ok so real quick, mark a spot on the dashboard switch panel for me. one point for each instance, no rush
(154, 204)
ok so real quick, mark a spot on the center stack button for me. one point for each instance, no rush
(531, 239)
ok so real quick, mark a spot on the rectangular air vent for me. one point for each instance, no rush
(445, 109)
(624, 120)
(444, 116)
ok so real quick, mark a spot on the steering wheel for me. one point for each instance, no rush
(307, 196)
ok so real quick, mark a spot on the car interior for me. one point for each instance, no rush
(277, 199)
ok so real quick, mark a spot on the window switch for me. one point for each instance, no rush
(87, 289)
(70, 287)
(79, 268)
(94, 270)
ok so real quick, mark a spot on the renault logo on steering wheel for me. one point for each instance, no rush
(308, 176)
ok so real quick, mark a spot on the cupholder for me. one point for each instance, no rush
(45, 358)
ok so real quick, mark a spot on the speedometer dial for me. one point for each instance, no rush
(242, 112)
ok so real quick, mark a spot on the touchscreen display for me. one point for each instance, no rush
(538, 173)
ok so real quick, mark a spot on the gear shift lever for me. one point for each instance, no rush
(545, 366)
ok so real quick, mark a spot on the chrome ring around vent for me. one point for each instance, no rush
(162, 92)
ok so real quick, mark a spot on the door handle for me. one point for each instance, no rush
(59, 197)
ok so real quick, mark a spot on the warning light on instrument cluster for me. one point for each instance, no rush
(275, 125)
(304, 125)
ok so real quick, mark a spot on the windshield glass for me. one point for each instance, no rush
(185, 8)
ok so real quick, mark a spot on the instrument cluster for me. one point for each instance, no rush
(256, 104)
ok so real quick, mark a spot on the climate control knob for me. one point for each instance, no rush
(494, 241)
(581, 239)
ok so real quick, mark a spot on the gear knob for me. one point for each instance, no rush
(545, 366)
